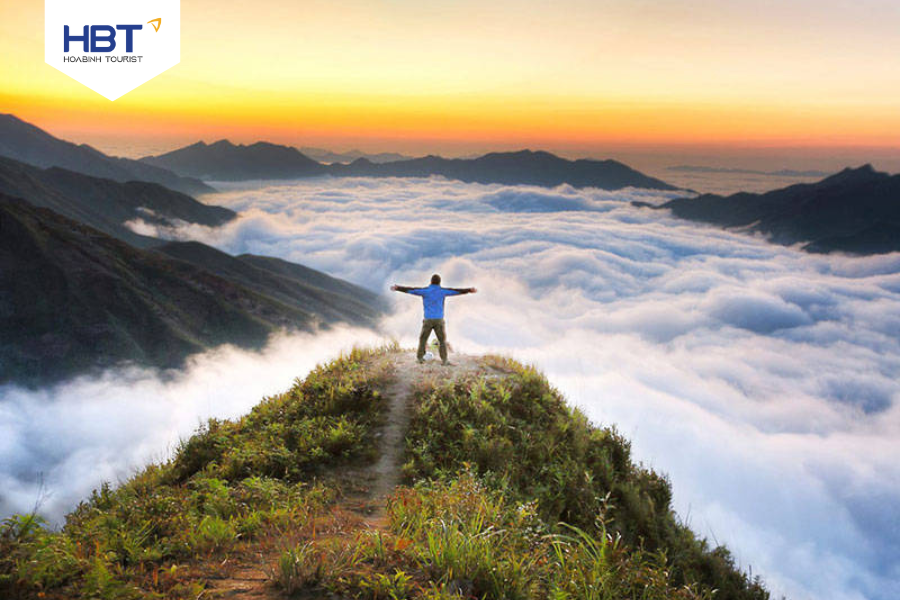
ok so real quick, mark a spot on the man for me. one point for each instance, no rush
(433, 301)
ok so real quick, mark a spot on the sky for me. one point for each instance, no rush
(760, 379)
(454, 77)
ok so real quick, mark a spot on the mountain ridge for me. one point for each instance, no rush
(74, 299)
(106, 204)
(328, 156)
(856, 211)
(505, 491)
(225, 161)
(25, 142)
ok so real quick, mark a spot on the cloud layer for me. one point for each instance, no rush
(58, 444)
(763, 380)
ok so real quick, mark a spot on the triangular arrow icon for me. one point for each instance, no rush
(156, 23)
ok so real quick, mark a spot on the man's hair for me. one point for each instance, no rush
(436, 279)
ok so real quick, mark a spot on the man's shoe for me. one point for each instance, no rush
(421, 361)
(447, 363)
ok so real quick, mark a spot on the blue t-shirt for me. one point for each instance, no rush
(433, 299)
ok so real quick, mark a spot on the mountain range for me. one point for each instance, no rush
(29, 144)
(105, 204)
(856, 211)
(525, 167)
(184, 169)
(327, 156)
(80, 290)
(224, 161)
(73, 299)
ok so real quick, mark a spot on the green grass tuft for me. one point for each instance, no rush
(516, 434)
(233, 482)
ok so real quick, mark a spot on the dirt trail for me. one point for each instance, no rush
(374, 483)
(381, 478)
(408, 373)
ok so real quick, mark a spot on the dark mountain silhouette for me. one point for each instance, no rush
(224, 161)
(327, 156)
(855, 211)
(73, 299)
(525, 167)
(103, 203)
(26, 143)
(297, 286)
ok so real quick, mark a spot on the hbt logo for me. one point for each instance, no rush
(106, 44)
(102, 37)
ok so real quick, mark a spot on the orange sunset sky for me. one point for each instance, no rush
(460, 76)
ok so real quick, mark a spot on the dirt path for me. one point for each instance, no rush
(373, 483)
(385, 474)
(381, 478)
(408, 373)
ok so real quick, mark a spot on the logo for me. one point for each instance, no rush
(111, 46)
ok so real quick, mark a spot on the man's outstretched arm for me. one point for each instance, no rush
(464, 290)
(403, 288)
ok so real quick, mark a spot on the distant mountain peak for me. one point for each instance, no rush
(866, 169)
(271, 147)
(22, 141)
(225, 161)
(9, 117)
(525, 153)
(855, 175)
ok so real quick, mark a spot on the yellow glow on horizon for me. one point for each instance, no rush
(561, 74)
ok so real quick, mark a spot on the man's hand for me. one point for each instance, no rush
(473, 291)
(395, 288)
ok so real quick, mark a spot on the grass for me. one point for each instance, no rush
(517, 435)
(460, 539)
(233, 485)
(510, 494)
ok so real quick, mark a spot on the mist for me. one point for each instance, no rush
(60, 443)
(761, 379)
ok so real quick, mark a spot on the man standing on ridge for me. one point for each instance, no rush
(433, 301)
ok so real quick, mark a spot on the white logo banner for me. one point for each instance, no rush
(112, 46)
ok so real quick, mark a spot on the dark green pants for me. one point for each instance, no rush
(438, 326)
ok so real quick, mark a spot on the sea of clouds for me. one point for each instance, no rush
(762, 380)
(60, 443)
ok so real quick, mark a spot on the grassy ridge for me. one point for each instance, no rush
(519, 437)
(511, 495)
(233, 487)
